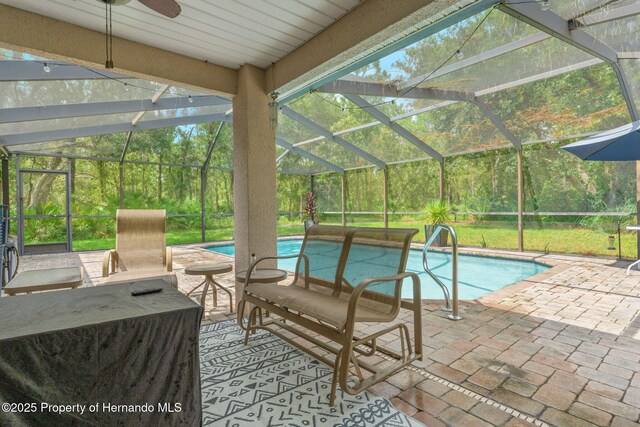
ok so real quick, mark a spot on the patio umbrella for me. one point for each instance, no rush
(619, 144)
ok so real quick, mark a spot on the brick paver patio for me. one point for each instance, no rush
(561, 348)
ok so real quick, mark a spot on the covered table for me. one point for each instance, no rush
(113, 358)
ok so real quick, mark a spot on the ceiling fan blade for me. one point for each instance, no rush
(168, 8)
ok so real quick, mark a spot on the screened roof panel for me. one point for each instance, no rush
(385, 144)
(584, 101)
(631, 68)
(184, 112)
(67, 91)
(530, 61)
(102, 147)
(54, 92)
(297, 164)
(456, 129)
(394, 107)
(438, 53)
(325, 108)
(292, 131)
(571, 8)
(334, 153)
(623, 35)
(67, 123)
(428, 55)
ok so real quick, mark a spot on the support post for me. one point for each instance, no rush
(254, 172)
(520, 201)
(69, 207)
(203, 181)
(312, 183)
(442, 180)
(121, 190)
(344, 199)
(637, 208)
(20, 209)
(386, 198)
(5, 185)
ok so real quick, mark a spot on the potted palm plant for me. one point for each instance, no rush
(310, 210)
(437, 213)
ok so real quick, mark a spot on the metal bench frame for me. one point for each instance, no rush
(349, 346)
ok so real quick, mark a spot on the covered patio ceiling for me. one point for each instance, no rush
(228, 33)
(405, 93)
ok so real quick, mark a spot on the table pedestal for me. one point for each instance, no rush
(208, 270)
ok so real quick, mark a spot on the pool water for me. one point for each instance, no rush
(477, 275)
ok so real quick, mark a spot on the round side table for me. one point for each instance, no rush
(263, 275)
(207, 270)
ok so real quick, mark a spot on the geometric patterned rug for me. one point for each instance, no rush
(271, 383)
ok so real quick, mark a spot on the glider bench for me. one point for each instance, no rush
(344, 276)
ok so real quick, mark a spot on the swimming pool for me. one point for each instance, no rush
(477, 275)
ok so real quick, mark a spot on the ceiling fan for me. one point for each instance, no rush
(168, 8)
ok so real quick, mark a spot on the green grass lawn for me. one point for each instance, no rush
(176, 237)
(499, 236)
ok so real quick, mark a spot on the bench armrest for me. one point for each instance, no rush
(109, 257)
(395, 306)
(295, 278)
(169, 259)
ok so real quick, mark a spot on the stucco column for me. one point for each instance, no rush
(254, 171)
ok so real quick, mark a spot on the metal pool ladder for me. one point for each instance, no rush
(451, 303)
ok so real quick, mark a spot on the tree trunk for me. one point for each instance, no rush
(160, 181)
(102, 178)
(72, 178)
(215, 190)
(42, 189)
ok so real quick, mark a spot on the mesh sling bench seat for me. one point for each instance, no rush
(141, 251)
(344, 276)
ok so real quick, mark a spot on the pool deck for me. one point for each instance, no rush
(560, 348)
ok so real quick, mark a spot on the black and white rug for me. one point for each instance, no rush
(271, 383)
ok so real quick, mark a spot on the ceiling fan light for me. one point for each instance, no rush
(114, 2)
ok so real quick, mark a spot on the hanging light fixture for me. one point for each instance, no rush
(273, 110)
(459, 54)
(46, 68)
(190, 100)
(545, 5)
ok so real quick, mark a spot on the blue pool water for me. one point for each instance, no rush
(477, 275)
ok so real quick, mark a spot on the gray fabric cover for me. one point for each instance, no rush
(101, 345)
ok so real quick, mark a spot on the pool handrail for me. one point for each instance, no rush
(451, 302)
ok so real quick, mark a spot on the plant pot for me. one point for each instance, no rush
(441, 240)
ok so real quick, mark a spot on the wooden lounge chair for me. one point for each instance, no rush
(141, 251)
(345, 276)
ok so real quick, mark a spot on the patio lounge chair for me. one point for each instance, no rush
(344, 276)
(141, 251)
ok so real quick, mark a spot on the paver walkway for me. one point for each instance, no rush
(560, 348)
